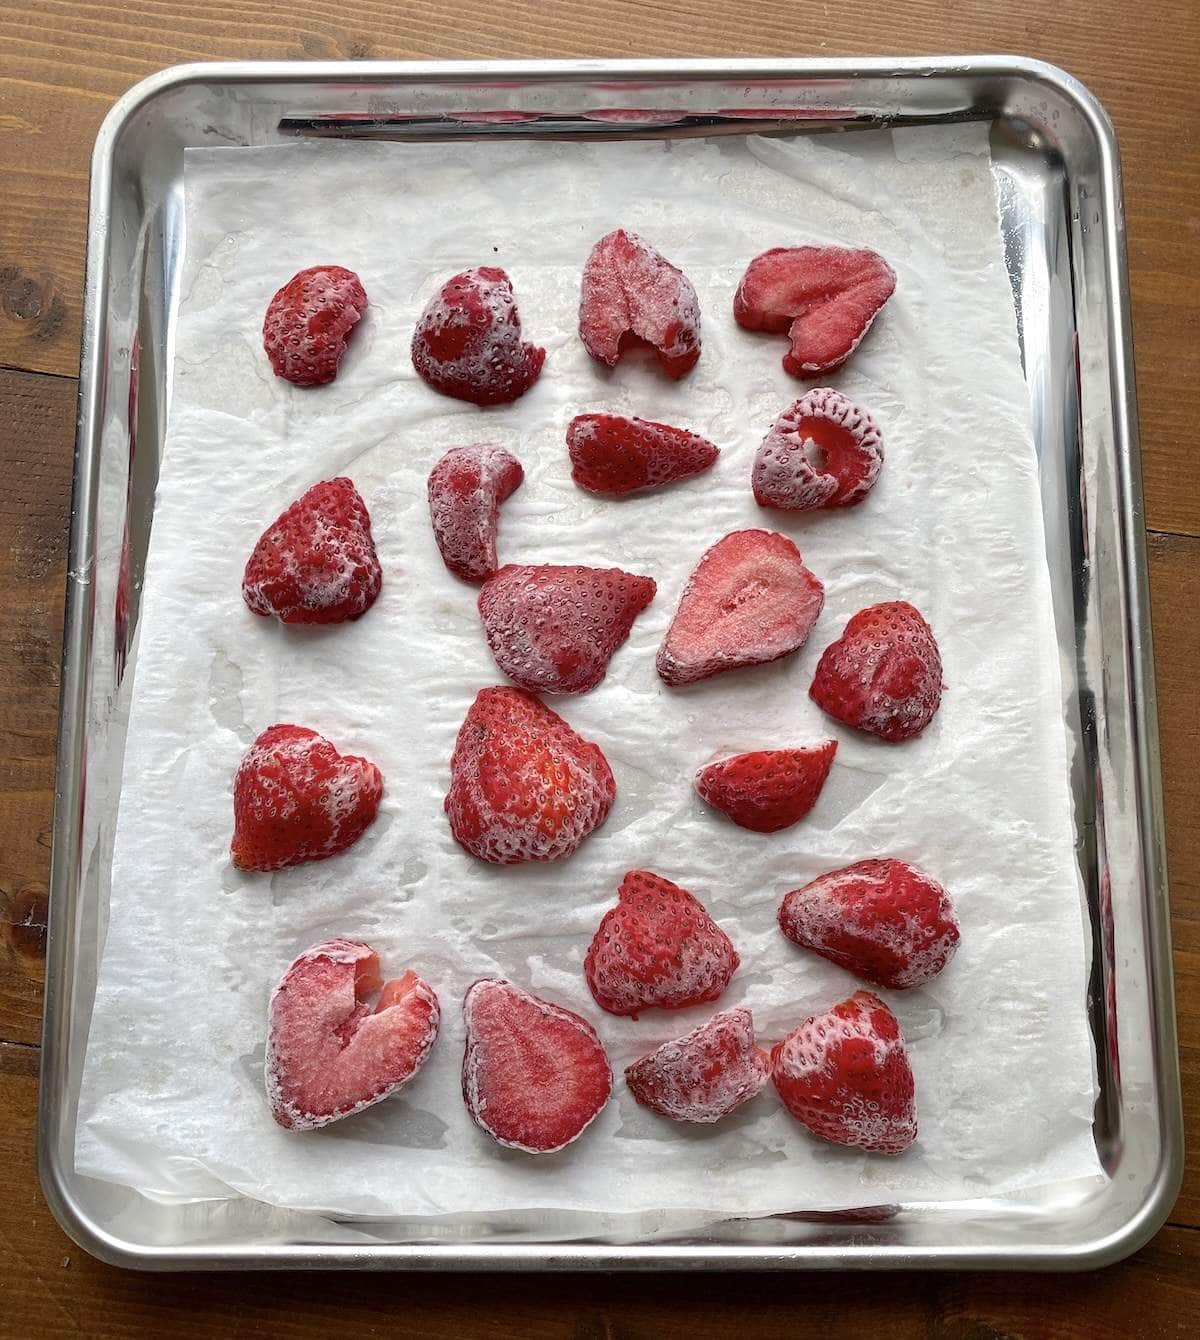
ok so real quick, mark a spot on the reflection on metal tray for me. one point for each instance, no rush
(1059, 184)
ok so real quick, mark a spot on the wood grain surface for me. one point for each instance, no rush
(62, 64)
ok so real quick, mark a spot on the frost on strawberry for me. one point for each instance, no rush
(768, 789)
(329, 1053)
(632, 293)
(824, 451)
(466, 488)
(309, 321)
(614, 456)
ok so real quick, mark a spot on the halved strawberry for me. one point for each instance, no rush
(824, 451)
(329, 1055)
(883, 920)
(296, 799)
(316, 563)
(466, 488)
(612, 455)
(768, 789)
(845, 1075)
(705, 1074)
(534, 1074)
(309, 321)
(750, 600)
(554, 629)
(523, 785)
(883, 675)
(467, 343)
(824, 297)
(657, 947)
(632, 292)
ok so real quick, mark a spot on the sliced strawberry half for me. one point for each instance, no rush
(308, 323)
(750, 600)
(883, 920)
(534, 1074)
(767, 789)
(613, 456)
(824, 297)
(845, 1075)
(554, 629)
(657, 948)
(631, 292)
(822, 452)
(705, 1074)
(329, 1054)
(466, 488)
(523, 785)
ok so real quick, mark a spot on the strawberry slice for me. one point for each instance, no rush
(705, 1074)
(824, 297)
(309, 321)
(467, 343)
(329, 1055)
(316, 563)
(883, 675)
(523, 785)
(612, 455)
(632, 293)
(883, 920)
(824, 451)
(750, 600)
(554, 629)
(845, 1075)
(466, 488)
(534, 1074)
(657, 947)
(296, 799)
(768, 789)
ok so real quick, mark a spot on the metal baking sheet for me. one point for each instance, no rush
(1055, 160)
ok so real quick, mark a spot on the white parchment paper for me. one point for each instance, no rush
(172, 1098)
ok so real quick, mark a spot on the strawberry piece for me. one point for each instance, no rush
(468, 344)
(631, 292)
(296, 799)
(523, 785)
(534, 1074)
(822, 452)
(750, 600)
(329, 1055)
(466, 488)
(554, 629)
(883, 675)
(768, 789)
(845, 1075)
(705, 1074)
(882, 920)
(657, 947)
(317, 562)
(309, 321)
(613, 455)
(824, 297)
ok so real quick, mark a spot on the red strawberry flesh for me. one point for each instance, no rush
(768, 789)
(824, 451)
(466, 488)
(613, 456)
(309, 321)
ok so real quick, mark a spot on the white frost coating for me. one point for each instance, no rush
(792, 471)
(998, 1042)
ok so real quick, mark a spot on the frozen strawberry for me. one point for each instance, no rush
(824, 297)
(657, 947)
(705, 1074)
(882, 920)
(750, 600)
(329, 1054)
(613, 455)
(296, 799)
(768, 789)
(523, 785)
(468, 343)
(534, 1074)
(316, 563)
(633, 293)
(466, 488)
(309, 321)
(554, 629)
(822, 452)
(883, 675)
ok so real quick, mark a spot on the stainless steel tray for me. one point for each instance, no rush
(1056, 164)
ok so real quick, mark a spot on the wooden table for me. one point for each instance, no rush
(62, 63)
